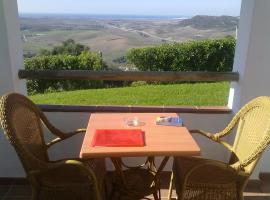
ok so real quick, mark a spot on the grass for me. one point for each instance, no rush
(175, 94)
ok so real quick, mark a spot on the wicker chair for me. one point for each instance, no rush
(197, 178)
(63, 179)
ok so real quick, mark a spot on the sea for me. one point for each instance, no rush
(104, 16)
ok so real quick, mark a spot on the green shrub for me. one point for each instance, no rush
(138, 83)
(67, 47)
(85, 61)
(206, 55)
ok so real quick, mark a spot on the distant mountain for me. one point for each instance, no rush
(209, 22)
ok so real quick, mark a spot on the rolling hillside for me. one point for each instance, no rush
(113, 37)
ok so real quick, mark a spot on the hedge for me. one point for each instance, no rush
(85, 61)
(205, 55)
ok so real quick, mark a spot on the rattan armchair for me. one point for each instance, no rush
(64, 179)
(197, 178)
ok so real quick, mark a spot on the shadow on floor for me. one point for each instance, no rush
(22, 191)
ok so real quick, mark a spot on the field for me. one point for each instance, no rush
(198, 94)
(113, 37)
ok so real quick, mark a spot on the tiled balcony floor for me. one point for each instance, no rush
(22, 191)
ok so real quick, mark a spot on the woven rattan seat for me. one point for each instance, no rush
(203, 179)
(71, 179)
(139, 181)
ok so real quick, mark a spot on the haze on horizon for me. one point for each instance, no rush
(139, 7)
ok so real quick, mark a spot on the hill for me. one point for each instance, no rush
(113, 37)
(209, 22)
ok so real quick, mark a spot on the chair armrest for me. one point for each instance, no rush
(55, 130)
(76, 163)
(64, 136)
(226, 131)
(76, 159)
(215, 138)
(210, 136)
(60, 134)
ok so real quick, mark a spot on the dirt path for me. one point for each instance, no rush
(143, 33)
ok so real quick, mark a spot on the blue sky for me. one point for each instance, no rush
(137, 7)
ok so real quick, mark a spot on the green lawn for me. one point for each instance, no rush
(174, 94)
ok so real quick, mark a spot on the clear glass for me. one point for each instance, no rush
(133, 122)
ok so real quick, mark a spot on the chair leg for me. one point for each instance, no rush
(34, 196)
(107, 188)
(171, 187)
(35, 192)
(156, 196)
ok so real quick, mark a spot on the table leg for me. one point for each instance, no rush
(117, 162)
(160, 169)
(162, 164)
(121, 170)
(171, 186)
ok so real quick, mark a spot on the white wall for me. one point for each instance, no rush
(11, 60)
(11, 55)
(252, 60)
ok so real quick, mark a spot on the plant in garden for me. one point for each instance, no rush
(85, 61)
(205, 55)
(68, 47)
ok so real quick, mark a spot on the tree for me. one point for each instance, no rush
(68, 47)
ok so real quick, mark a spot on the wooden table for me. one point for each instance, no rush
(160, 141)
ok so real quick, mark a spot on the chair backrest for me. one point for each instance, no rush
(253, 133)
(22, 126)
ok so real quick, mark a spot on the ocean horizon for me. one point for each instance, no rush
(103, 16)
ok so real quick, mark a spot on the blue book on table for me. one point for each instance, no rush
(169, 121)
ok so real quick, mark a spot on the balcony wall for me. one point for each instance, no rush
(71, 147)
(192, 121)
(11, 167)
